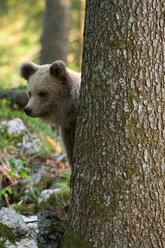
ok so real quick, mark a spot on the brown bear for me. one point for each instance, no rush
(53, 92)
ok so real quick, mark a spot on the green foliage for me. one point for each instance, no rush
(22, 22)
(17, 167)
(77, 22)
(21, 29)
(8, 112)
(63, 180)
(7, 139)
(6, 190)
(63, 194)
(30, 195)
(34, 124)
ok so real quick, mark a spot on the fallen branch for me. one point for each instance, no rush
(15, 96)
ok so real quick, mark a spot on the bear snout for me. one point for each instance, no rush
(28, 110)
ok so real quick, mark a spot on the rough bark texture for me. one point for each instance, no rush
(56, 26)
(117, 185)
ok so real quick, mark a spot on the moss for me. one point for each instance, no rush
(124, 41)
(6, 234)
(118, 43)
(130, 104)
(133, 140)
(64, 194)
(101, 210)
(119, 189)
(75, 240)
(130, 170)
(24, 209)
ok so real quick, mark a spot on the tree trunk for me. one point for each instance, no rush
(117, 184)
(56, 26)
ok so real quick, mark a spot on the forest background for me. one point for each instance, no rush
(35, 151)
(20, 32)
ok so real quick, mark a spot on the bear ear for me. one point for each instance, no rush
(27, 69)
(58, 69)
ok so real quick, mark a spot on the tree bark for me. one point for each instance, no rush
(54, 40)
(117, 183)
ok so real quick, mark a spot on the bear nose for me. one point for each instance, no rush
(28, 110)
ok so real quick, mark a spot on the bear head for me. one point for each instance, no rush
(53, 91)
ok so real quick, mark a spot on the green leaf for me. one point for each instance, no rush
(12, 171)
(5, 190)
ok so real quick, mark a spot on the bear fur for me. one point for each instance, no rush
(53, 92)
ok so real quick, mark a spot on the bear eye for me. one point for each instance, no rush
(29, 93)
(42, 94)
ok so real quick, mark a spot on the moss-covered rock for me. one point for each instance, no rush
(14, 232)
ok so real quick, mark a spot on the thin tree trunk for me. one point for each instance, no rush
(117, 184)
(55, 35)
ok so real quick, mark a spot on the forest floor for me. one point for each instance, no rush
(34, 172)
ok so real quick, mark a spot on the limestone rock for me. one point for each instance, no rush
(14, 233)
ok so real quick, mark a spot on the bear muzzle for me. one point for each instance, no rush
(28, 110)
